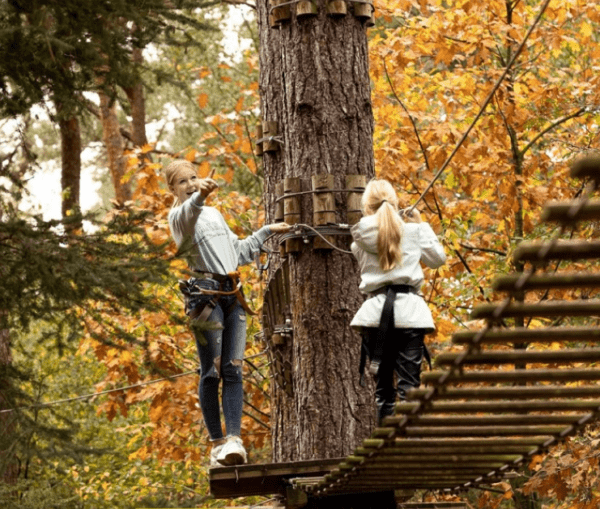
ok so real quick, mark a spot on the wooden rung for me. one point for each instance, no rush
(470, 442)
(519, 282)
(571, 211)
(538, 252)
(461, 461)
(523, 335)
(538, 405)
(586, 167)
(462, 449)
(523, 356)
(515, 376)
(489, 420)
(481, 431)
(487, 393)
(495, 312)
(419, 462)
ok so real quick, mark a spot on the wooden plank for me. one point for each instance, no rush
(522, 375)
(519, 282)
(480, 431)
(586, 167)
(501, 406)
(496, 312)
(263, 479)
(496, 357)
(523, 335)
(486, 393)
(455, 449)
(484, 420)
(568, 212)
(541, 251)
(403, 461)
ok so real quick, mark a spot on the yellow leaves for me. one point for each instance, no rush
(586, 30)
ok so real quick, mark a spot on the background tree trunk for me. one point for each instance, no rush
(70, 137)
(135, 94)
(9, 468)
(113, 141)
(314, 82)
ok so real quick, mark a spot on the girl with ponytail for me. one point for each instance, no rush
(395, 318)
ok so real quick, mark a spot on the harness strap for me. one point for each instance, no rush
(234, 277)
(386, 321)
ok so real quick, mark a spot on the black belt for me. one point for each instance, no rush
(221, 278)
(387, 320)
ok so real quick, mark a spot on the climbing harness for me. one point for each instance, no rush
(194, 288)
(386, 322)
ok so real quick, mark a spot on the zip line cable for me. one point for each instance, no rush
(484, 106)
(108, 391)
(101, 393)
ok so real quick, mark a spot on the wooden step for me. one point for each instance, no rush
(571, 211)
(525, 335)
(496, 312)
(543, 251)
(523, 282)
(563, 356)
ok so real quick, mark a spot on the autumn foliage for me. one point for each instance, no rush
(433, 64)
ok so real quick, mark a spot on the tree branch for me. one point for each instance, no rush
(552, 126)
(484, 249)
(412, 121)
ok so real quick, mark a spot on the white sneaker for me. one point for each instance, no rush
(233, 452)
(214, 454)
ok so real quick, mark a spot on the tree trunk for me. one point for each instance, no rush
(9, 468)
(315, 84)
(71, 164)
(113, 141)
(135, 94)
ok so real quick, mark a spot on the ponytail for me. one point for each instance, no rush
(389, 236)
(380, 199)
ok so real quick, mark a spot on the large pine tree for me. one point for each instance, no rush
(314, 82)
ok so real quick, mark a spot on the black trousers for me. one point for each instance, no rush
(402, 356)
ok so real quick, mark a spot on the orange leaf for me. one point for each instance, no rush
(204, 169)
(202, 100)
(240, 104)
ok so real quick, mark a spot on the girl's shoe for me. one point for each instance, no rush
(233, 452)
(214, 454)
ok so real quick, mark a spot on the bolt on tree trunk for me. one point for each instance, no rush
(314, 83)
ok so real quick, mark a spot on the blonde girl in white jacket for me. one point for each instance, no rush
(395, 318)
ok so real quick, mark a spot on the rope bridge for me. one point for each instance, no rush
(470, 426)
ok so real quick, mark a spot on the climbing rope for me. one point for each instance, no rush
(304, 231)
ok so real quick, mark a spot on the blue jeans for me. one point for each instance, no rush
(221, 353)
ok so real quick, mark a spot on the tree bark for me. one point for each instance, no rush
(314, 82)
(113, 141)
(9, 468)
(135, 94)
(71, 164)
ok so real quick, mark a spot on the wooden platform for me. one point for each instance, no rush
(264, 478)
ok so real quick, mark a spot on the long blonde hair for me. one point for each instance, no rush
(380, 199)
(171, 172)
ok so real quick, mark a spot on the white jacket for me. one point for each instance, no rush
(419, 244)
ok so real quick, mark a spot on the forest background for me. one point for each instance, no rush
(105, 313)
